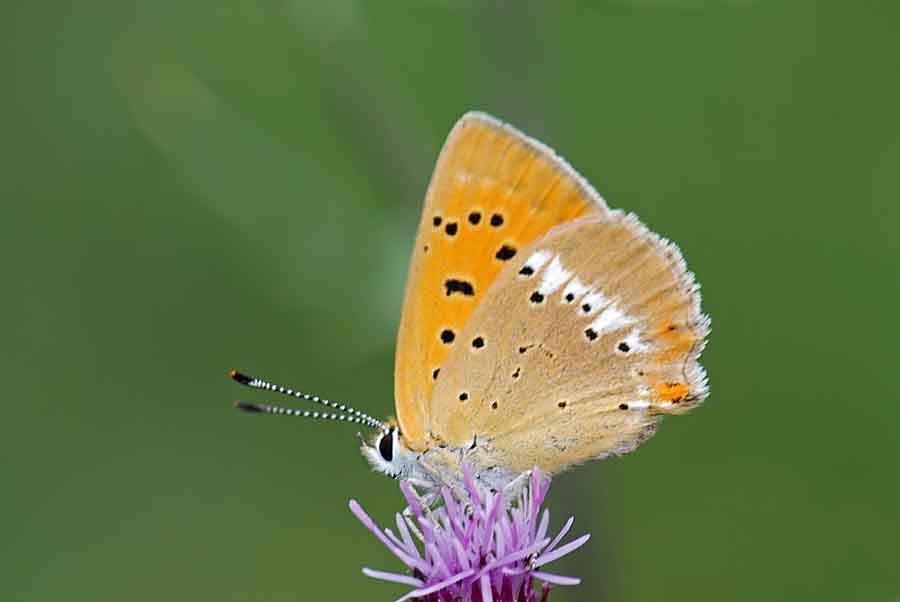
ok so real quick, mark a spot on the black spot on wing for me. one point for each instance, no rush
(505, 253)
(459, 286)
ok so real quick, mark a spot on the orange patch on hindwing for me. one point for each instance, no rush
(675, 335)
(674, 392)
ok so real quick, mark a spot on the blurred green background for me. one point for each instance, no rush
(190, 187)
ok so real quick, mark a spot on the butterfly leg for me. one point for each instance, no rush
(410, 519)
(441, 468)
(411, 523)
(420, 483)
(513, 489)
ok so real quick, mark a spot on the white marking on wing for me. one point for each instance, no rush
(574, 288)
(611, 319)
(554, 277)
(535, 262)
(634, 342)
(639, 405)
(592, 302)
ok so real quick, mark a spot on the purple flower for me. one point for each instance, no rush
(476, 549)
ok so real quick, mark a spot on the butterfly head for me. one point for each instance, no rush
(388, 453)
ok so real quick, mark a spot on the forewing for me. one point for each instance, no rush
(494, 190)
(585, 339)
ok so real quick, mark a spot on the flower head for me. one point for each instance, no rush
(477, 549)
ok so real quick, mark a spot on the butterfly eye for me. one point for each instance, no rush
(386, 446)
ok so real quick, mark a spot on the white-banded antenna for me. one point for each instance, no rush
(349, 414)
(265, 408)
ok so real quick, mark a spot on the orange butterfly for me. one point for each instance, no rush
(539, 327)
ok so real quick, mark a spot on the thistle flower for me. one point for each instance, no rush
(477, 549)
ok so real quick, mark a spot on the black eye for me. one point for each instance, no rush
(386, 446)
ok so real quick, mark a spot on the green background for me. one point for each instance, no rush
(191, 187)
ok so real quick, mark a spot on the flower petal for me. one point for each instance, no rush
(394, 539)
(518, 555)
(364, 518)
(470, 485)
(411, 499)
(492, 518)
(560, 535)
(562, 551)
(394, 577)
(461, 556)
(418, 593)
(555, 579)
(409, 545)
(486, 594)
(544, 525)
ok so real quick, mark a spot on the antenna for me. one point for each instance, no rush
(350, 415)
(264, 408)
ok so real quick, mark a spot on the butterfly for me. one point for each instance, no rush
(539, 326)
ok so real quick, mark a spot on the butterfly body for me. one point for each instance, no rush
(539, 327)
(438, 464)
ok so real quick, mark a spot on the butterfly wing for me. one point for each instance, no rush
(583, 342)
(494, 190)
